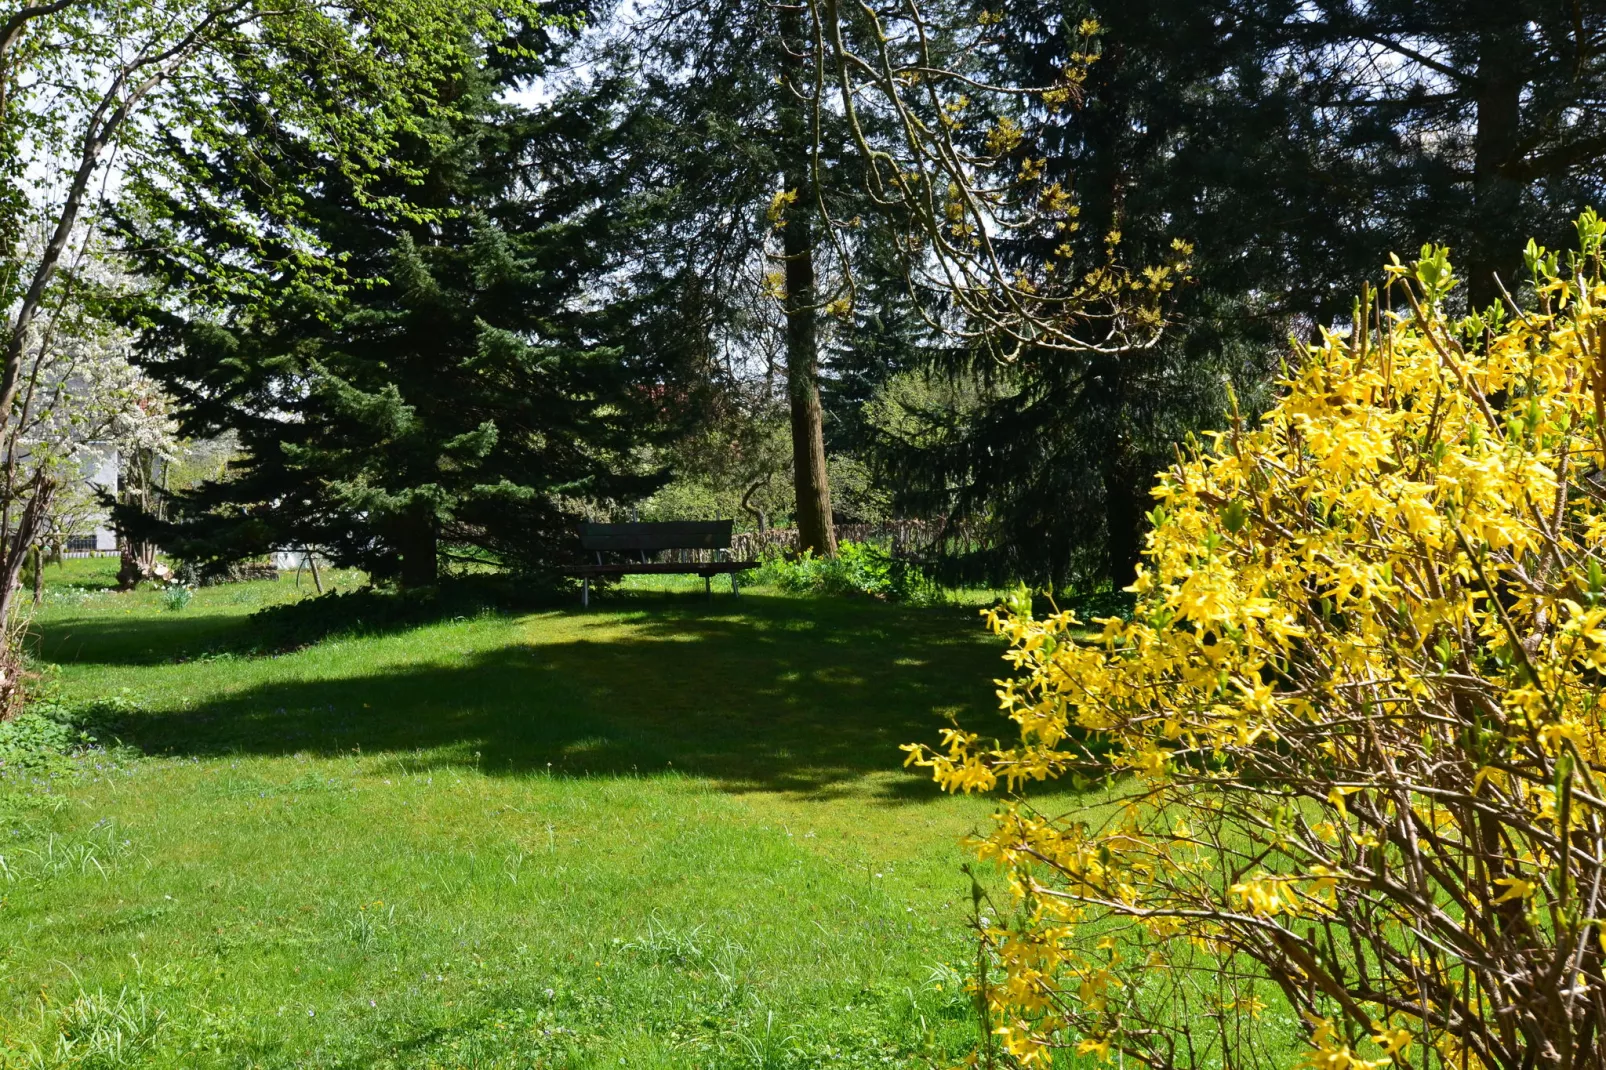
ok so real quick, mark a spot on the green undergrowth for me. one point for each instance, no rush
(664, 832)
(51, 735)
(859, 568)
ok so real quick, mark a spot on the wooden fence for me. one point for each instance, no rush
(905, 538)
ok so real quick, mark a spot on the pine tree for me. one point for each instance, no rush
(458, 398)
(1295, 146)
(1476, 123)
(726, 83)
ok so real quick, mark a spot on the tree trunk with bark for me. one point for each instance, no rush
(418, 543)
(814, 527)
(138, 564)
(1497, 189)
(1126, 485)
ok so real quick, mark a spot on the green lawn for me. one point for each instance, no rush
(658, 833)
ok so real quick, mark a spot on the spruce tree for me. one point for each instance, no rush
(1475, 123)
(459, 397)
(728, 84)
(1295, 146)
(1051, 452)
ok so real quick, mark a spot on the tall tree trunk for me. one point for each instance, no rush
(420, 553)
(15, 546)
(814, 528)
(1109, 122)
(1125, 488)
(1497, 194)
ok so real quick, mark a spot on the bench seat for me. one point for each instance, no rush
(661, 568)
(650, 538)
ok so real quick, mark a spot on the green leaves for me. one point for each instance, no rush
(1234, 516)
(1433, 272)
(1539, 262)
(1591, 232)
(1019, 602)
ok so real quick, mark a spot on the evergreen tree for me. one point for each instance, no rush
(460, 396)
(1475, 123)
(885, 338)
(747, 168)
(1295, 146)
(1051, 453)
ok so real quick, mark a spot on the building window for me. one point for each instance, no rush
(80, 543)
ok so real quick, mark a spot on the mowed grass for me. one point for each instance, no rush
(659, 833)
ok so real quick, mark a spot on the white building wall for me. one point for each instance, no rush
(103, 476)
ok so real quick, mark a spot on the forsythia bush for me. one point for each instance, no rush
(1357, 806)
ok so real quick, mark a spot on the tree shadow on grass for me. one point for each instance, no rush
(772, 694)
(141, 639)
(144, 638)
(272, 629)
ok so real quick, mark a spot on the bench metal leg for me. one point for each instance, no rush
(708, 587)
(734, 588)
(585, 591)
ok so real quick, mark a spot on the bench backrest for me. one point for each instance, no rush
(670, 535)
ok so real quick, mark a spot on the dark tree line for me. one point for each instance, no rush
(1295, 145)
(555, 295)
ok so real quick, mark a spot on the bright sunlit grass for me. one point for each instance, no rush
(660, 833)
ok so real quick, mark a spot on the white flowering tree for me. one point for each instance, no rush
(78, 397)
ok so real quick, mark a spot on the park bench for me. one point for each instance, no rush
(641, 541)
